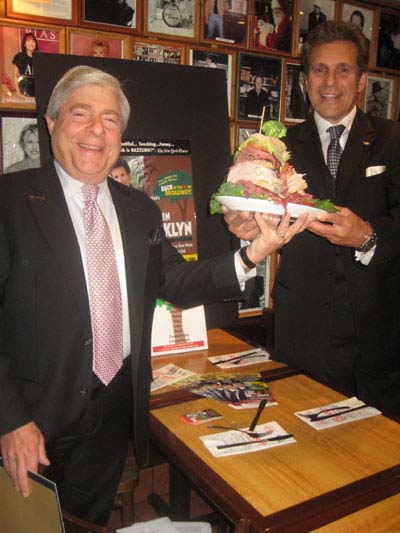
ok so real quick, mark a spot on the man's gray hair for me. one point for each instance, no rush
(81, 75)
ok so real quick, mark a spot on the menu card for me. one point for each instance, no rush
(337, 413)
(237, 359)
(235, 442)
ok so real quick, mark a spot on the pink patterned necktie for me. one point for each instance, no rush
(104, 289)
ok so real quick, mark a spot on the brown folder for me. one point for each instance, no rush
(40, 512)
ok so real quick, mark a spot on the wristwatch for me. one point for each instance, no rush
(245, 258)
(370, 242)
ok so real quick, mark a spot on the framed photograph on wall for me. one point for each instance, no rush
(361, 17)
(178, 19)
(19, 142)
(18, 45)
(243, 132)
(272, 25)
(97, 44)
(311, 13)
(158, 51)
(388, 52)
(215, 58)
(295, 105)
(123, 15)
(258, 86)
(379, 97)
(57, 11)
(225, 21)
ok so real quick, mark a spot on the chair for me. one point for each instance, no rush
(124, 500)
(73, 524)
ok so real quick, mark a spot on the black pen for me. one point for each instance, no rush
(261, 406)
(270, 439)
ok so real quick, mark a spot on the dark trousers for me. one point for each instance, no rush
(87, 464)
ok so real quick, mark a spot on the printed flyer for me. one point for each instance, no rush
(163, 170)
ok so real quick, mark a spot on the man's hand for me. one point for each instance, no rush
(274, 232)
(241, 223)
(22, 450)
(343, 228)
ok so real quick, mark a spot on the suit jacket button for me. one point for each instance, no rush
(87, 342)
(83, 391)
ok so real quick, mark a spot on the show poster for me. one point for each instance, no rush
(163, 170)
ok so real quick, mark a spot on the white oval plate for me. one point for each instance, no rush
(237, 203)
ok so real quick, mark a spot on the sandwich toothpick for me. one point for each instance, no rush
(262, 118)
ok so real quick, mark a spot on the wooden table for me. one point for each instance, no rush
(324, 476)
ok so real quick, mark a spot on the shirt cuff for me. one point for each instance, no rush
(241, 275)
(365, 257)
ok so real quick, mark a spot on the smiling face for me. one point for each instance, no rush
(30, 45)
(31, 145)
(333, 81)
(86, 135)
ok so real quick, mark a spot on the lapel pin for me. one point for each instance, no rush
(37, 198)
(366, 143)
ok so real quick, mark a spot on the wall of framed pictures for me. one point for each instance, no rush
(255, 46)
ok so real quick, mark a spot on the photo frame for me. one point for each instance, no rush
(178, 19)
(379, 98)
(19, 142)
(243, 131)
(56, 11)
(363, 18)
(296, 106)
(156, 51)
(216, 58)
(258, 85)
(97, 44)
(388, 48)
(229, 26)
(124, 16)
(18, 44)
(311, 14)
(271, 27)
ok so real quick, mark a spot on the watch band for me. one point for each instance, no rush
(245, 258)
(369, 243)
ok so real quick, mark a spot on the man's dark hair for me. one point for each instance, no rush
(121, 163)
(330, 32)
(360, 15)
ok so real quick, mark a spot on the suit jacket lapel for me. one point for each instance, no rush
(362, 135)
(135, 242)
(313, 165)
(50, 209)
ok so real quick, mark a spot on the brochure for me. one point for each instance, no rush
(239, 391)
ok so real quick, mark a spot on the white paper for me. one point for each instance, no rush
(257, 355)
(339, 412)
(272, 429)
(167, 375)
(165, 525)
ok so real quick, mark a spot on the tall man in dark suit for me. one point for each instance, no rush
(337, 293)
(82, 260)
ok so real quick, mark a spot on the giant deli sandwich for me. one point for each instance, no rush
(261, 170)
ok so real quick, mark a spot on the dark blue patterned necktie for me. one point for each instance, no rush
(334, 148)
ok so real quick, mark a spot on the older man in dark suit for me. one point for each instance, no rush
(337, 293)
(82, 260)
